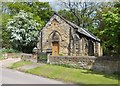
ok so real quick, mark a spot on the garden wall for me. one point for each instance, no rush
(23, 56)
(103, 64)
(12, 55)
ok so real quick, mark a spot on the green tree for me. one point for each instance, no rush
(41, 10)
(111, 32)
(82, 13)
(5, 33)
(23, 31)
(41, 13)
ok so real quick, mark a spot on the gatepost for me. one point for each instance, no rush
(49, 52)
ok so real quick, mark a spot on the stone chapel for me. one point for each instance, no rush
(63, 37)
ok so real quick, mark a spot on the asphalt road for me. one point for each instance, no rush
(15, 77)
(9, 76)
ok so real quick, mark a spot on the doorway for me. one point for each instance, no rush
(55, 48)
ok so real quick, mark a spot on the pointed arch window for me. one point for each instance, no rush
(55, 37)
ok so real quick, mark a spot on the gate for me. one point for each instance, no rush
(42, 57)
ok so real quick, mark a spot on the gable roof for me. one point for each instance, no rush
(79, 29)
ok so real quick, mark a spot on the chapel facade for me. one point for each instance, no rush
(63, 37)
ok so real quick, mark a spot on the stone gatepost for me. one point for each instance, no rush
(35, 54)
(49, 52)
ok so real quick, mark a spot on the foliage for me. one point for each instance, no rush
(81, 13)
(5, 33)
(19, 64)
(9, 51)
(111, 33)
(67, 15)
(41, 10)
(77, 76)
(41, 13)
(23, 31)
(1, 56)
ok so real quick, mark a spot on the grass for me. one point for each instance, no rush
(19, 64)
(1, 56)
(78, 76)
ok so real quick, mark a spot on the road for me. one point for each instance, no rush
(9, 76)
(15, 77)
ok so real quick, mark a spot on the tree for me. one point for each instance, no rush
(23, 31)
(41, 13)
(111, 32)
(41, 10)
(82, 12)
(5, 33)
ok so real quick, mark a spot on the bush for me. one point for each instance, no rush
(9, 51)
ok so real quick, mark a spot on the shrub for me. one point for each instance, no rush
(9, 51)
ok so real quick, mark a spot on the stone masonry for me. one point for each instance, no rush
(71, 40)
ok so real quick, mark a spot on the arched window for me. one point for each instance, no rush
(55, 37)
(90, 48)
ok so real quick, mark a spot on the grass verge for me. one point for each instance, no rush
(19, 64)
(1, 56)
(78, 76)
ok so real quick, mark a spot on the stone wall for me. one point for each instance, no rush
(23, 56)
(29, 57)
(102, 64)
(12, 55)
(74, 61)
(107, 64)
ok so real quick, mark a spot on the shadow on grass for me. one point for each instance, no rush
(115, 76)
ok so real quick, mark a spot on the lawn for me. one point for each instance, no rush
(78, 76)
(19, 64)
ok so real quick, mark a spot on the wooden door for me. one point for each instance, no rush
(55, 48)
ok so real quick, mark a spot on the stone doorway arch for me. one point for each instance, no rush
(55, 44)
